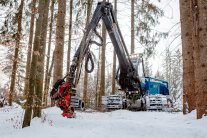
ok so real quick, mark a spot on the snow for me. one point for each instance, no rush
(116, 124)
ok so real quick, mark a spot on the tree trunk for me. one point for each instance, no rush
(85, 88)
(188, 63)
(26, 83)
(49, 77)
(33, 69)
(70, 35)
(102, 83)
(40, 63)
(199, 14)
(46, 87)
(16, 52)
(97, 80)
(59, 45)
(89, 7)
(132, 26)
(114, 56)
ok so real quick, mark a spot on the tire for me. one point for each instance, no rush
(82, 105)
(143, 104)
(124, 105)
(169, 103)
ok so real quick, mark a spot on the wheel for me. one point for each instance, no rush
(143, 104)
(81, 105)
(144, 107)
(124, 105)
(169, 103)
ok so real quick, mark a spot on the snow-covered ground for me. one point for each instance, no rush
(117, 124)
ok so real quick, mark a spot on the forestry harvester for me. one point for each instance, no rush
(155, 92)
(64, 89)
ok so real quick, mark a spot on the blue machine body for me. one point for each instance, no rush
(155, 86)
(150, 85)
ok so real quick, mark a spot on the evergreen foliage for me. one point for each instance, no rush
(146, 19)
(172, 69)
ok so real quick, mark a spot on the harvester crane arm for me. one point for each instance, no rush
(127, 79)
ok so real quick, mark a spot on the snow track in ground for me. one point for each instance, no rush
(117, 124)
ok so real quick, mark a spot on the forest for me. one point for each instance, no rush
(103, 68)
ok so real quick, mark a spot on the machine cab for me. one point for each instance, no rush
(138, 64)
(150, 85)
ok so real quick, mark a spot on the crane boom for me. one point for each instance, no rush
(127, 79)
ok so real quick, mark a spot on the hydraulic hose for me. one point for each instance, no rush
(99, 36)
(89, 57)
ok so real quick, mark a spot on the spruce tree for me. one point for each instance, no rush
(103, 56)
(40, 63)
(47, 82)
(33, 69)
(59, 42)
(89, 7)
(188, 62)
(15, 60)
(199, 18)
(26, 83)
